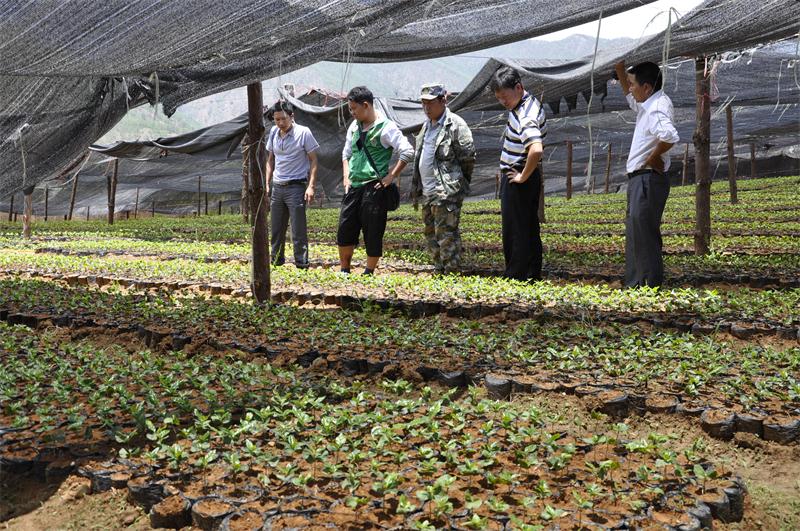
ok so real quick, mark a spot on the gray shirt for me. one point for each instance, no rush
(291, 153)
(427, 160)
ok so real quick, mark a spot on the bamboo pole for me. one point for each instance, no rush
(245, 199)
(540, 211)
(569, 169)
(27, 216)
(608, 169)
(731, 157)
(111, 182)
(685, 164)
(136, 204)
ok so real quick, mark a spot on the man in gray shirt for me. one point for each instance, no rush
(445, 157)
(292, 166)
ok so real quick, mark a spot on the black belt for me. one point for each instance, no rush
(293, 181)
(633, 174)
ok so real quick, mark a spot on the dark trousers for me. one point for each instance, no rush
(288, 203)
(522, 241)
(647, 196)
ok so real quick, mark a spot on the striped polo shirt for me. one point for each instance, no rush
(526, 124)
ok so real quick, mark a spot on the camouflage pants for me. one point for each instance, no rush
(442, 235)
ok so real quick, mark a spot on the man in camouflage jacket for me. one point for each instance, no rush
(445, 157)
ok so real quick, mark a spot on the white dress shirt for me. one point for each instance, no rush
(653, 124)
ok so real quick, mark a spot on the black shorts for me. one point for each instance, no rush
(363, 209)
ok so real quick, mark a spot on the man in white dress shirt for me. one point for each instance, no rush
(648, 162)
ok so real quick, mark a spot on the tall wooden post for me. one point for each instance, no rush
(199, 194)
(11, 208)
(702, 161)
(258, 198)
(87, 212)
(497, 185)
(136, 204)
(111, 187)
(731, 157)
(46, 201)
(206, 205)
(73, 195)
(219, 207)
(752, 161)
(27, 216)
(153, 209)
(569, 169)
(685, 163)
(608, 169)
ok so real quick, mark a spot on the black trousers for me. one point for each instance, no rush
(522, 241)
(647, 196)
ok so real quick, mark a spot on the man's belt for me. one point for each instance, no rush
(292, 182)
(633, 174)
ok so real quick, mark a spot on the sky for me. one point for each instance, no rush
(644, 20)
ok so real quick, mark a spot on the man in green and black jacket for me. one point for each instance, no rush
(444, 160)
(371, 140)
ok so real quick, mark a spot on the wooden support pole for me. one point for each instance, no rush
(702, 160)
(199, 193)
(259, 203)
(87, 213)
(497, 185)
(74, 193)
(752, 161)
(136, 204)
(219, 207)
(608, 170)
(11, 208)
(153, 209)
(46, 201)
(569, 169)
(206, 205)
(685, 163)
(27, 216)
(111, 182)
(731, 157)
(72, 196)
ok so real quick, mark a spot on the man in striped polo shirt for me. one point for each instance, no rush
(520, 181)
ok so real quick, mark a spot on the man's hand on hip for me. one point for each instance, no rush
(656, 163)
(517, 177)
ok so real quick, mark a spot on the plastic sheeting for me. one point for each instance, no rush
(68, 71)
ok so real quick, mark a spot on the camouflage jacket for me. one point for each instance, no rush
(455, 159)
